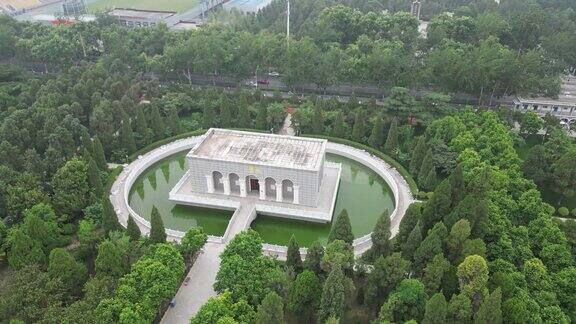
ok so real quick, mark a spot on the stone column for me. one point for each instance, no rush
(242, 187)
(210, 183)
(262, 185)
(296, 194)
(226, 180)
(279, 192)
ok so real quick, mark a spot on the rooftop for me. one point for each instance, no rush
(259, 148)
(567, 94)
(143, 14)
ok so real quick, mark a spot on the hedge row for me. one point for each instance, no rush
(407, 176)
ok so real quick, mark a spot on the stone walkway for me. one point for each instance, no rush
(287, 128)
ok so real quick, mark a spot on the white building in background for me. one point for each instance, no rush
(283, 176)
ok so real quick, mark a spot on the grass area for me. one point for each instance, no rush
(165, 5)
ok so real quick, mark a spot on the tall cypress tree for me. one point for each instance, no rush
(140, 125)
(271, 310)
(377, 135)
(244, 118)
(94, 178)
(391, 146)
(427, 165)
(226, 115)
(338, 128)
(318, 120)
(417, 155)
(262, 118)
(98, 154)
(490, 311)
(109, 217)
(293, 258)
(157, 230)
(156, 123)
(457, 184)
(431, 180)
(126, 135)
(436, 310)
(174, 122)
(341, 230)
(413, 242)
(381, 245)
(314, 257)
(133, 230)
(334, 292)
(87, 141)
(358, 130)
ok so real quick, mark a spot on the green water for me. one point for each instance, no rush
(152, 188)
(362, 192)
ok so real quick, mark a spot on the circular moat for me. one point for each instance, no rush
(362, 192)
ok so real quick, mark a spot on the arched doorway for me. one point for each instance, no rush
(270, 188)
(252, 185)
(287, 191)
(234, 184)
(217, 181)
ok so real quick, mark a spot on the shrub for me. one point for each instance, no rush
(573, 212)
(563, 211)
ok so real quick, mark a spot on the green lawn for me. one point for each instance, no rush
(166, 5)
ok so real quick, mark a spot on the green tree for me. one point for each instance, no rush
(87, 141)
(434, 273)
(391, 146)
(262, 118)
(110, 260)
(437, 207)
(338, 127)
(98, 154)
(244, 118)
(564, 174)
(457, 185)
(531, 123)
(62, 265)
(23, 250)
(293, 258)
(318, 120)
(473, 278)
(157, 230)
(377, 136)
(417, 157)
(221, 307)
(314, 257)
(460, 309)
(94, 179)
(430, 246)
(408, 302)
(271, 311)
(338, 254)
(431, 180)
(126, 135)
(304, 295)
(334, 292)
(427, 165)
(407, 224)
(192, 242)
(436, 309)
(208, 117)
(174, 122)
(109, 217)
(412, 242)
(341, 230)
(156, 122)
(71, 188)
(458, 235)
(490, 311)
(133, 230)
(381, 244)
(359, 128)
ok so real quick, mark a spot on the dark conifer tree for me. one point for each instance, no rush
(244, 118)
(109, 217)
(98, 154)
(126, 135)
(338, 128)
(174, 122)
(413, 242)
(226, 115)
(87, 141)
(157, 230)
(262, 118)
(318, 120)
(293, 258)
(341, 230)
(381, 244)
(359, 128)
(417, 156)
(427, 165)
(314, 257)
(133, 229)
(391, 146)
(157, 123)
(457, 184)
(94, 178)
(377, 135)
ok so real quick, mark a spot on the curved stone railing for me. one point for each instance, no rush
(121, 190)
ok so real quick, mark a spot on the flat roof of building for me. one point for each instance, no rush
(567, 96)
(141, 14)
(262, 149)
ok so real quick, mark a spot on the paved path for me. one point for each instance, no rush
(199, 289)
(287, 128)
